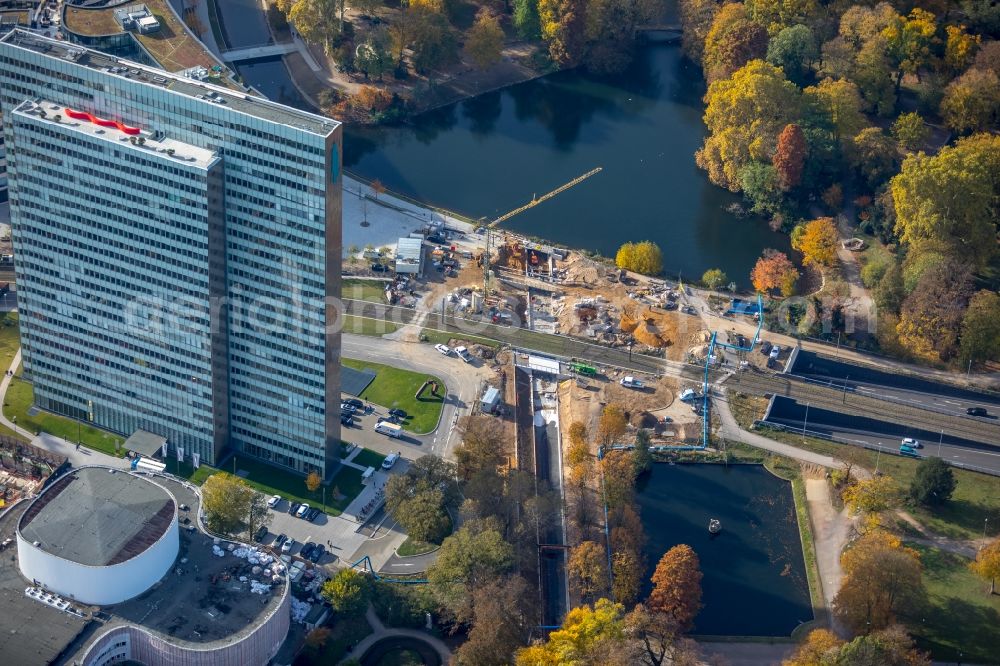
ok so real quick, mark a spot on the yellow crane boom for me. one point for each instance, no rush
(517, 211)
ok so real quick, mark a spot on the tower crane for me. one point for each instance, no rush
(517, 211)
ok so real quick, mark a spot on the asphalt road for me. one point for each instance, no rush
(907, 389)
(874, 431)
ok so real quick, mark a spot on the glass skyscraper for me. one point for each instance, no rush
(177, 249)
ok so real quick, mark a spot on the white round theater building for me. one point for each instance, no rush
(98, 536)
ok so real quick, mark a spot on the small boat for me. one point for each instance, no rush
(714, 526)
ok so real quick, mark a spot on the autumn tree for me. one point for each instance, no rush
(626, 579)
(744, 115)
(484, 40)
(229, 501)
(314, 20)
(971, 103)
(774, 270)
(588, 569)
(953, 196)
(987, 563)
(988, 57)
(626, 529)
(586, 634)
(714, 278)
(468, 560)
(882, 579)
(910, 132)
(981, 328)
(877, 494)
(484, 446)
(348, 592)
(612, 425)
(618, 474)
(313, 481)
(677, 587)
(433, 42)
(318, 637)
(840, 102)
(502, 622)
(959, 48)
(873, 154)
(815, 650)
(794, 50)
(696, 17)
(790, 156)
(733, 41)
(933, 483)
(563, 24)
(889, 647)
(643, 257)
(931, 316)
(910, 42)
(818, 242)
(861, 53)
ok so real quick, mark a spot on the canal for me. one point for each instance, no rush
(492, 153)
(754, 573)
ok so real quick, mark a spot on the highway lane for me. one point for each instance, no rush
(878, 432)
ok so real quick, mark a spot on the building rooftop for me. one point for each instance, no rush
(97, 517)
(408, 250)
(116, 133)
(239, 102)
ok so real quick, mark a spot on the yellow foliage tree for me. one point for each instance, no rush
(987, 563)
(874, 495)
(815, 650)
(644, 257)
(818, 242)
(584, 632)
(484, 40)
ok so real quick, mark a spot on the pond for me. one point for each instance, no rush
(754, 573)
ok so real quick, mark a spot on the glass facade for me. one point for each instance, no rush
(188, 299)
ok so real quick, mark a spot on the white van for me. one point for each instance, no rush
(390, 429)
(390, 460)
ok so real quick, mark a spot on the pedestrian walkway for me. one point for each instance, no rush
(380, 631)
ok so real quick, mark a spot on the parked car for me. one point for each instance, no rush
(353, 402)
(293, 507)
(302, 511)
(631, 382)
(261, 532)
(346, 420)
(390, 460)
(379, 268)
(287, 546)
(306, 550)
(444, 349)
(909, 441)
(280, 539)
(347, 408)
(463, 353)
(273, 502)
(687, 309)
(765, 348)
(775, 352)
(976, 411)
(313, 514)
(317, 553)
(741, 340)
(398, 413)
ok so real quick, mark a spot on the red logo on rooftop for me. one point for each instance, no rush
(83, 115)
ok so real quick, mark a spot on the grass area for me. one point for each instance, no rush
(434, 337)
(368, 326)
(363, 290)
(344, 632)
(976, 496)
(272, 480)
(960, 620)
(412, 547)
(369, 458)
(400, 658)
(397, 388)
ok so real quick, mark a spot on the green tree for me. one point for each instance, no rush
(372, 57)
(762, 187)
(468, 560)
(618, 475)
(733, 41)
(484, 40)
(794, 50)
(933, 483)
(953, 196)
(348, 592)
(423, 515)
(433, 43)
(227, 500)
(714, 278)
(643, 257)
(981, 328)
(910, 131)
(874, 155)
(889, 293)
(642, 457)
(841, 104)
(744, 115)
(971, 102)
(526, 20)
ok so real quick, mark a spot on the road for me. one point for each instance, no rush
(875, 432)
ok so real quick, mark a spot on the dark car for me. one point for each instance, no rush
(313, 514)
(317, 553)
(765, 348)
(346, 419)
(353, 402)
(379, 268)
(293, 507)
(261, 532)
(280, 539)
(741, 341)
(307, 549)
(347, 408)
(398, 413)
(976, 411)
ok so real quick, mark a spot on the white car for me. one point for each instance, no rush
(463, 353)
(775, 352)
(444, 349)
(909, 441)
(688, 394)
(273, 502)
(631, 382)
(303, 510)
(287, 546)
(390, 460)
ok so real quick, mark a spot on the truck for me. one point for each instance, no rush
(463, 353)
(391, 429)
(631, 382)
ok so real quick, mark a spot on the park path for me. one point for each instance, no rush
(964, 547)
(380, 631)
(78, 456)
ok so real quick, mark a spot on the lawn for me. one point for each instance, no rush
(976, 496)
(369, 458)
(396, 388)
(367, 326)
(961, 619)
(363, 290)
(415, 547)
(434, 337)
(272, 480)
(344, 632)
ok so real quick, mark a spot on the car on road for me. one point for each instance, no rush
(398, 413)
(317, 553)
(313, 514)
(688, 394)
(353, 402)
(261, 532)
(909, 441)
(390, 460)
(302, 511)
(287, 546)
(444, 349)
(280, 539)
(905, 450)
(976, 411)
(765, 348)
(273, 502)
(631, 382)
(293, 507)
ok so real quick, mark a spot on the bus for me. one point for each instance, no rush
(581, 369)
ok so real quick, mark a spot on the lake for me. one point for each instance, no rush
(754, 573)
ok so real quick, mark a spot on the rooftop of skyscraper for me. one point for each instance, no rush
(240, 102)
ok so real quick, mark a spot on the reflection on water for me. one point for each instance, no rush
(755, 582)
(490, 154)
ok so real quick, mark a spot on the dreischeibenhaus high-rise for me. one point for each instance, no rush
(177, 254)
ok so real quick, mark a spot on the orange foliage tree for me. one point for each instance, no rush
(677, 587)
(817, 241)
(774, 270)
(790, 156)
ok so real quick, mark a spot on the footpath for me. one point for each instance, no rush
(380, 631)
